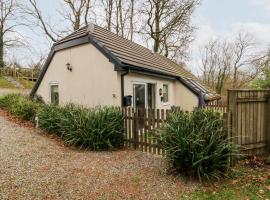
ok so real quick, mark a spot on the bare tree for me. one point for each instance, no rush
(168, 21)
(216, 58)
(119, 17)
(76, 12)
(229, 63)
(108, 6)
(242, 51)
(131, 21)
(9, 21)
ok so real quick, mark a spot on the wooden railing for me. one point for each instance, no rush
(25, 74)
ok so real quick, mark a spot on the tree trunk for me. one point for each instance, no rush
(109, 13)
(234, 78)
(1, 50)
(77, 21)
(166, 47)
(157, 29)
(131, 20)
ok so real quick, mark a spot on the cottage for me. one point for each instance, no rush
(95, 67)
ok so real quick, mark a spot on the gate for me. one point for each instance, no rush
(139, 128)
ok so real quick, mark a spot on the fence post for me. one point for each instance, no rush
(268, 123)
(135, 129)
(232, 112)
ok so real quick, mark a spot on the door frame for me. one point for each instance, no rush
(145, 92)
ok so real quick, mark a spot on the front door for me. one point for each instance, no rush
(139, 94)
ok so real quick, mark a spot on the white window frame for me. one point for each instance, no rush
(53, 83)
(168, 86)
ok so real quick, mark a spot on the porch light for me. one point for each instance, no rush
(69, 67)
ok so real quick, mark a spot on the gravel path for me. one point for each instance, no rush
(34, 166)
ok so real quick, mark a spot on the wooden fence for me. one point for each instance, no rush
(25, 74)
(139, 128)
(249, 119)
(218, 106)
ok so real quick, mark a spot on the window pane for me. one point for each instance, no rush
(165, 93)
(54, 94)
(139, 95)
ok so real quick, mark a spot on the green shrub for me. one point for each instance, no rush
(95, 129)
(49, 118)
(196, 143)
(19, 105)
(7, 100)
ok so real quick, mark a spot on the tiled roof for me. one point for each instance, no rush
(131, 53)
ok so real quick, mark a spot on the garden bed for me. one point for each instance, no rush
(39, 165)
(34, 166)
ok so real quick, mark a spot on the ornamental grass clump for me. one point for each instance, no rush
(49, 118)
(197, 144)
(20, 106)
(100, 128)
(94, 129)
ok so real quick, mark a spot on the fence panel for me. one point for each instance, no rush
(140, 125)
(249, 119)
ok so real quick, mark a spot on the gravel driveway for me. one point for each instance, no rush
(34, 166)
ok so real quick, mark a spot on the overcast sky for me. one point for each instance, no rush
(214, 18)
(224, 18)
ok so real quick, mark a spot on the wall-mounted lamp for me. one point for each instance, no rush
(69, 67)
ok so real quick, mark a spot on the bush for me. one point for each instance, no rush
(19, 105)
(49, 118)
(95, 129)
(196, 143)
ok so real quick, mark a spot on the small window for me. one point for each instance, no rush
(54, 94)
(165, 93)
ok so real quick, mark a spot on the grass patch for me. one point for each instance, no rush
(5, 84)
(246, 183)
(26, 84)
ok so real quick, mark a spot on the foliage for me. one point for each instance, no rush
(20, 105)
(262, 82)
(49, 118)
(197, 143)
(245, 183)
(4, 83)
(95, 129)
